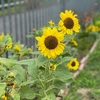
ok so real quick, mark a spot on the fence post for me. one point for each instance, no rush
(3, 14)
(10, 19)
(63, 4)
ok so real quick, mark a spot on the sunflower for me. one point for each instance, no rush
(9, 46)
(1, 36)
(73, 64)
(68, 23)
(17, 48)
(92, 28)
(50, 43)
(74, 42)
(51, 23)
(4, 97)
(52, 67)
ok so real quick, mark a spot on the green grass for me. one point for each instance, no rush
(85, 42)
(89, 78)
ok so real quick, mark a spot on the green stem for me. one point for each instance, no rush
(43, 87)
(51, 87)
(51, 80)
(41, 82)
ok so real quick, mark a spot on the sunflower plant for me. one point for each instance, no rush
(5, 43)
(20, 51)
(51, 66)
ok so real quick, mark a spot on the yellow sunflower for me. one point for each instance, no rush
(17, 48)
(52, 67)
(73, 64)
(51, 23)
(68, 23)
(4, 97)
(92, 28)
(50, 43)
(9, 46)
(75, 43)
(1, 36)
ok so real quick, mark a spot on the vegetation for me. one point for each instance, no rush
(39, 74)
(6, 1)
(87, 84)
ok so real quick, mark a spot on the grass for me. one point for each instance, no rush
(85, 42)
(87, 84)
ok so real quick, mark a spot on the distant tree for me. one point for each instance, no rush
(6, 1)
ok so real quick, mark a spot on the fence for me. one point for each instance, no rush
(21, 16)
(11, 4)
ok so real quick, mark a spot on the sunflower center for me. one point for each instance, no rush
(73, 63)
(51, 42)
(51, 67)
(68, 23)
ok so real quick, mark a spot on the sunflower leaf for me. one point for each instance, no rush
(41, 60)
(8, 62)
(65, 59)
(26, 62)
(15, 95)
(69, 37)
(63, 74)
(20, 73)
(27, 93)
(2, 88)
(32, 71)
(51, 96)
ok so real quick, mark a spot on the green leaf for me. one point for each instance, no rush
(20, 74)
(26, 62)
(2, 88)
(35, 52)
(63, 74)
(32, 71)
(46, 98)
(65, 59)
(41, 60)
(15, 95)
(27, 93)
(69, 37)
(2, 71)
(59, 84)
(7, 39)
(30, 36)
(52, 96)
(8, 62)
(27, 82)
(97, 23)
(67, 51)
(49, 97)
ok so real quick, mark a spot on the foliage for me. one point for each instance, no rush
(6, 1)
(88, 80)
(84, 44)
(88, 34)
